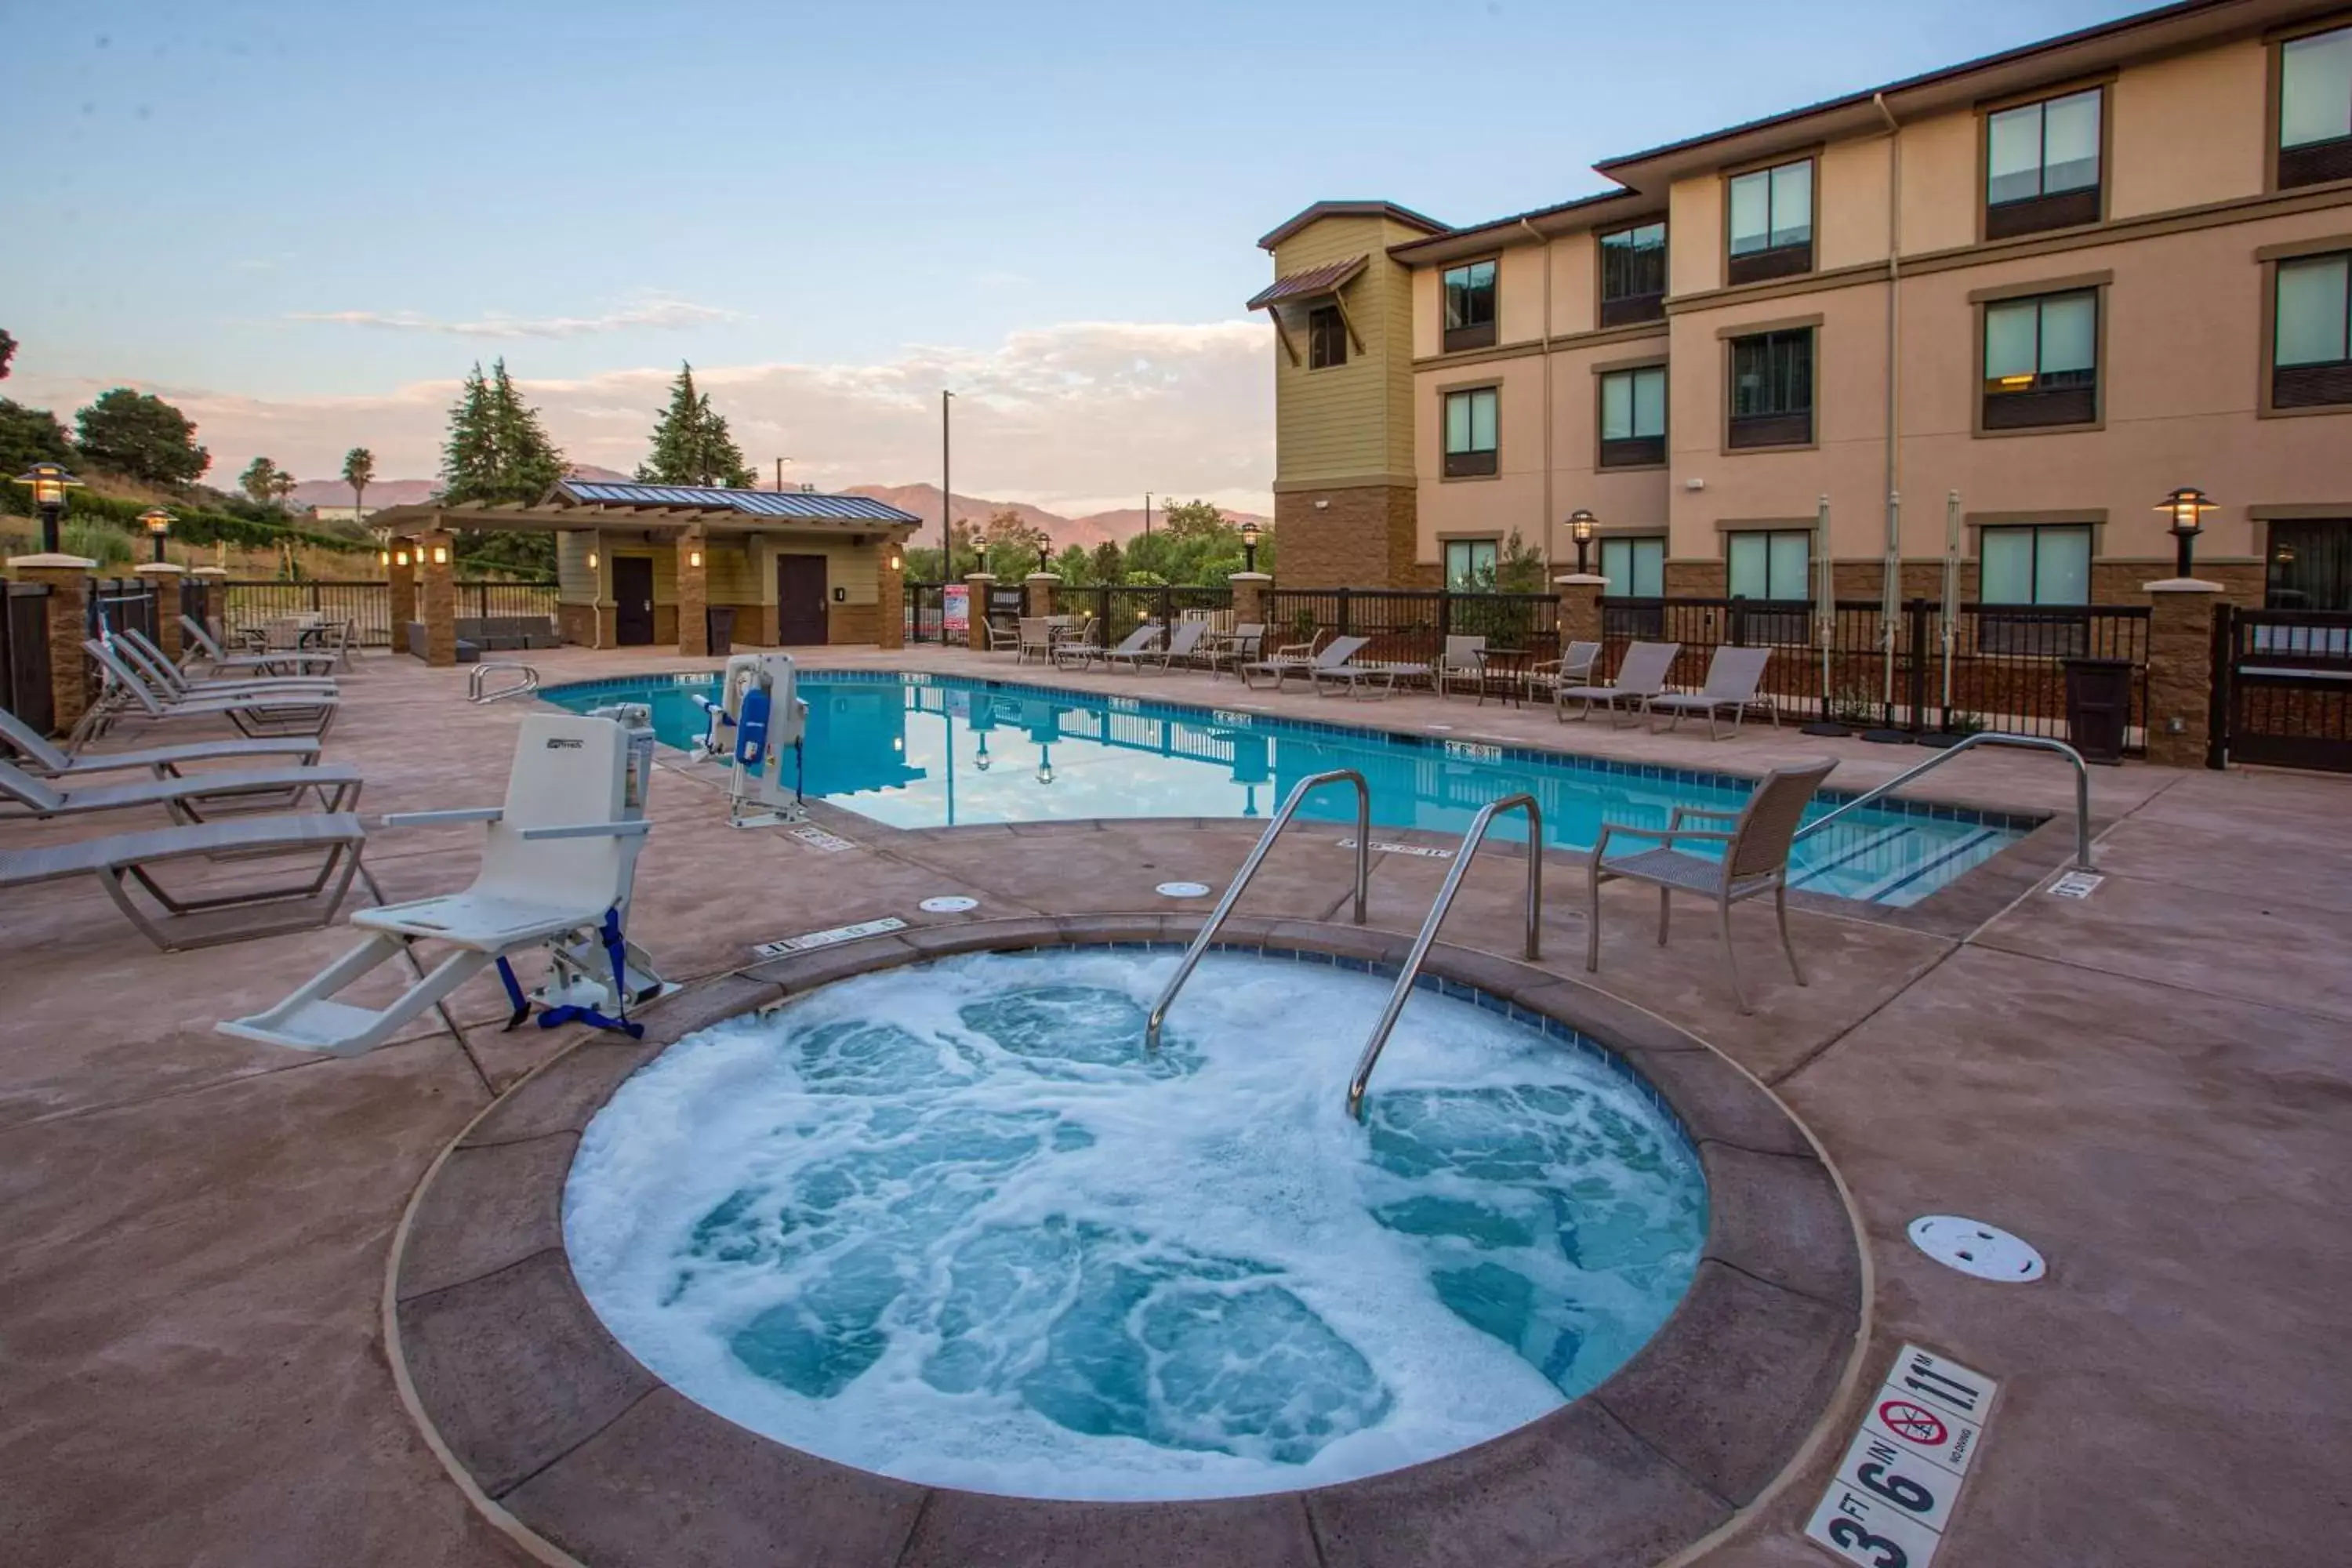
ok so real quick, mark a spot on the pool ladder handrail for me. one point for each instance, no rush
(1421, 944)
(1249, 868)
(1982, 738)
(473, 692)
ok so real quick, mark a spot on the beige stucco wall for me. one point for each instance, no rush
(1851, 196)
(1939, 184)
(1695, 236)
(2187, 130)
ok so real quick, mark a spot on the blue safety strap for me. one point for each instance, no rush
(514, 995)
(616, 947)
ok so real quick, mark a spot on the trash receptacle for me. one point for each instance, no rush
(722, 630)
(2098, 707)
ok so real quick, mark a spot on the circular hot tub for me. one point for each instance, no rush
(933, 1262)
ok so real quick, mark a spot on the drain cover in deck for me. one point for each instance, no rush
(1183, 890)
(948, 904)
(1974, 1248)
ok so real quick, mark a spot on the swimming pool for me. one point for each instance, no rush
(920, 751)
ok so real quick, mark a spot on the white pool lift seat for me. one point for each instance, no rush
(556, 868)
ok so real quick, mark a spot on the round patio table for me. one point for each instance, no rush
(1510, 666)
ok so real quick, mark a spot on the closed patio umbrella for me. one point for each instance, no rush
(1890, 617)
(1948, 634)
(1825, 621)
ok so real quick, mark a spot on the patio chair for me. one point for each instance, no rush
(200, 639)
(1380, 680)
(1733, 674)
(36, 753)
(556, 862)
(1143, 640)
(1755, 861)
(1572, 668)
(1001, 635)
(1302, 658)
(1236, 648)
(1036, 640)
(1640, 675)
(254, 714)
(1182, 644)
(186, 922)
(167, 677)
(1465, 658)
(186, 798)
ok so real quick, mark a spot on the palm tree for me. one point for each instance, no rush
(359, 470)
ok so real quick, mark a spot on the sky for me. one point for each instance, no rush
(302, 222)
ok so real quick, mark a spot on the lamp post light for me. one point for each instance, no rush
(1581, 526)
(48, 482)
(1249, 547)
(2186, 507)
(158, 524)
(1045, 551)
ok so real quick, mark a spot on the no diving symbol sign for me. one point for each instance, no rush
(1912, 1424)
(1892, 1498)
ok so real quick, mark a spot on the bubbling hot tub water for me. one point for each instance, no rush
(950, 1223)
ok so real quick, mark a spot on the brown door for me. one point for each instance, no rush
(800, 600)
(633, 601)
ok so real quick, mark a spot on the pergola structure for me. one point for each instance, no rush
(642, 566)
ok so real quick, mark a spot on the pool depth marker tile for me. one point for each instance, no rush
(1894, 1493)
(816, 939)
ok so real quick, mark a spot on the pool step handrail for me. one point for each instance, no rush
(1249, 868)
(1421, 944)
(1968, 742)
(527, 681)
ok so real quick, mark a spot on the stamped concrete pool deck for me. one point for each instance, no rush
(2153, 1084)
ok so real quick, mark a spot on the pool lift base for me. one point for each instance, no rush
(759, 703)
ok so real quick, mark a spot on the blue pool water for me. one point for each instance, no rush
(927, 752)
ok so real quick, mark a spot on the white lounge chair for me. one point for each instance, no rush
(1182, 644)
(185, 921)
(1755, 861)
(1144, 639)
(282, 714)
(1378, 679)
(36, 753)
(557, 862)
(169, 678)
(1732, 676)
(1640, 675)
(188, 797)
(1303, 659)
(200, 638)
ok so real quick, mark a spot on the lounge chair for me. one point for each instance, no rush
(200, 638)
(1236, 648)
(279, 714)
(1143, 640)
(1574, 667)
(557, 862)
(1181, 644)
(1378, 679)
(187, 798)
(1303, 659)
(1640, 675)
(186, 922)
(1465, 658)
(36, 753)
(1755, 861)
(1733, 674)
(168, 677)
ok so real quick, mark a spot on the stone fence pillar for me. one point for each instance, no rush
(1579, 607)
(163, 577)
(693, 593)
(2180, 669)
(401, 576)
(212, 606)
(1039, 598)
(438, 593)
(1253, 594)
(67, 577)
(891, 595)
(977, 586)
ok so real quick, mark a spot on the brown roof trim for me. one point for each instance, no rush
(1322, 210)
(1313, 283)
(1507, 231)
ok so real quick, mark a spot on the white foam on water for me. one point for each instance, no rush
(949, 1224)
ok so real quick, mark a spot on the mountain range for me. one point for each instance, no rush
(923, 501)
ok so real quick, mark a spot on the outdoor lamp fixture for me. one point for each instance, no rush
(440, 555)
(897, 562)
(48, 482)
(1044, 555)
(157, 522)
(400, 558)
(592, 561)
(1581, 526)
(2187, 508)
(1249, 547)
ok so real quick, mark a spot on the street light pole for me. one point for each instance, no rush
(947, 497)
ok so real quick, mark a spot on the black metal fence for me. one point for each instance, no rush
(1120, 610)
(368, 605)
(24, 655)
(2006, 664)
(1411, 627)
(127, 604)
(2282, 688)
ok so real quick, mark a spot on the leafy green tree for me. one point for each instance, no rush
(141, 435)
(497, 449)
(8, 351)
(924, 563)
(1011, 543)
(1075, 567)
(29, 435)
(470, 458)
(1110, 561)
(1518, 567)
(529, 460)
(1194, 520)
(359, 472)
(281, 487)
(1146, 580)
(259, 481)
(691, 443)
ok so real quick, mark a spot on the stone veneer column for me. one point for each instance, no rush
(2180, 669)
(68, 578)
(976, 610)
(163, 577)
(214, 604)
(438, 593)
(693, 593)
(1251, 597)
(1039, 597)
(1579, 607)
(891, 595)
(402, 577)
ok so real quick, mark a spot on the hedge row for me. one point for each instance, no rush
(189, 525)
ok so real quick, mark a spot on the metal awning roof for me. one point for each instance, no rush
(801, 505)
(1304, 285)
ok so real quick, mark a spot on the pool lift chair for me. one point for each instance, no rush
(758, 702)
(557, 867)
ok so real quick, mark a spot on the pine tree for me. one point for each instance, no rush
(469, 462)
(529, 462)
(691, 445)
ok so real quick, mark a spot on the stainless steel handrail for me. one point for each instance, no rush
(1249, 868)
(530, 681)
(1983, 738)
(1462, 859)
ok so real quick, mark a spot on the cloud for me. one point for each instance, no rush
(1078, 417)
(660, 314)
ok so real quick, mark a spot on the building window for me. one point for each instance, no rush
(1636, 568)
(1773, 222)
(2316, 108)
(1633, 417)
(2041, 361)
(1326, 338)
(2042, 165)
(1770, 565)
(1470, 432)
(2036, 563)
(1772, 389)
(1633, 275)
(1470, 566)
(1470, 306)
(2310, 566)
(2311, 345)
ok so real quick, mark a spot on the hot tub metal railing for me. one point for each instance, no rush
(1421, 944)
(1249, 868)
(1982, 738)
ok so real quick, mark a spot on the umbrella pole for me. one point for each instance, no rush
(1825, 621)
(1890, 611)
(1949, 636)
